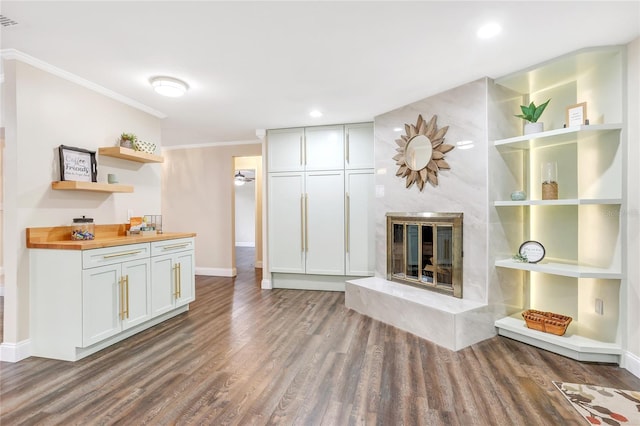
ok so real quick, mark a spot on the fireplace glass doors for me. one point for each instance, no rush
(425, 250)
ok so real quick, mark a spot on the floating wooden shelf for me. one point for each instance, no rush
(70, 185)
(130, 154)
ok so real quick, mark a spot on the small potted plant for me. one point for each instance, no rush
(531, 114)
(127, 140)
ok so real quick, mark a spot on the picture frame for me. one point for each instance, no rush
(533, 250)
(77, 164)
(576, 115)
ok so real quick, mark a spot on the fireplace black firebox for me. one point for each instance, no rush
(425, 250)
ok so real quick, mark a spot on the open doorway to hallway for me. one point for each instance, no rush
(247, 213)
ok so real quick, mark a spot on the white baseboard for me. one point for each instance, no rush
(266, 284)
(632, 363)
(246, 244)
(14, 352)
(259, 264)
(217, 272)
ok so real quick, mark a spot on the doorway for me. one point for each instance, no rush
(247, 239)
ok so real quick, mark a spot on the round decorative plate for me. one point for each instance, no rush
(533, 250)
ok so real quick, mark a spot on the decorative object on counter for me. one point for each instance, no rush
(547, 322)
(83, 229)
(518, 196)
(112, 178)
(520, 257)
(421, 152)
(531, 114)
(77, 164)
(153, 222)
(533, 251)
(143, 146)
(549, 178)
(127, 140)
(135, 225)
(576, 115)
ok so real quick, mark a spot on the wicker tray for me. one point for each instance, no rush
(546, 321)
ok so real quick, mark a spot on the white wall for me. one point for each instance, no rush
(42, 111)
(245, 214)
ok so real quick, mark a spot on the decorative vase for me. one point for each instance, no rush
(549, 178)
(126, 143)
(530, 128)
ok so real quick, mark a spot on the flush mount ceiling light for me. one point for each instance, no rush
(167, 86)
(315, 113)
(489, 30)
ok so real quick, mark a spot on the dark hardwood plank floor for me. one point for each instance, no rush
(244, 356)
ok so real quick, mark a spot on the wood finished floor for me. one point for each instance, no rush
(245, 356)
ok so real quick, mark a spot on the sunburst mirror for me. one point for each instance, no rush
(421, 152)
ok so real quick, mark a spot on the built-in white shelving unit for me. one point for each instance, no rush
(583, 231)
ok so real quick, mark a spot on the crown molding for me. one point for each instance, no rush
(211, 145)
(14, 54)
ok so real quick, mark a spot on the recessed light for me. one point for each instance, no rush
(465, 144)
(489, 30)
(397, 129)
(167, 86)
(315, 113)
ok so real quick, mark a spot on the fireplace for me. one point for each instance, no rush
(425, 250)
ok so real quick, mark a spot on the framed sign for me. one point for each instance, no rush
(576, 114)
(533, 250)
(77, 164)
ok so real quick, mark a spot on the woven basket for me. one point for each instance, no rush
(143, 146)
(547, 322)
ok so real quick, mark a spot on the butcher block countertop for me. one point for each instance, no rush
(59, 237)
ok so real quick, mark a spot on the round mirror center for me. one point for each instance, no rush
(418, 152)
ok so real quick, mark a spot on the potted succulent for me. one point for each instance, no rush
(127, 140)
(531, 114)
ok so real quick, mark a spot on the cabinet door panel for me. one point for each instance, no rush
(325, 223)
(324, 148)
(162, 284)
(285, 222)
(187, 278)
(360, 188)
(359, 146)
(100, 303)
(139, 292)
(285, 150)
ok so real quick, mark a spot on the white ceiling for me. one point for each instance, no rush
(262, 65)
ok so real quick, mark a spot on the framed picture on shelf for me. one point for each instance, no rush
(532, 250)
(576, 115)
(77, 164)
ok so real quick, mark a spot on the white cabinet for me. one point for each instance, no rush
(85, 300)
(286, 148)
(306, 149)
(359, 153)
(583, 230)
(286, 222)
(360, 222)
(172, 272)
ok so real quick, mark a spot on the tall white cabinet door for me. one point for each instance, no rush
(285, 149)
(186, 277)
(162, 276)
(101, 305)
(359, 146)
(360, 222)
(325, 222)
(324, 148)
(286, 243)
(137, 301)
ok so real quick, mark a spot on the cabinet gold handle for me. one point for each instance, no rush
(121, 290)
(123, 253)
(175, 281)
(348, 209)
(346, 147)
(306, 222)
(179, 280)
(174, 246)
(126, 283)
(302, 215)
(305, 150)
(301, 150)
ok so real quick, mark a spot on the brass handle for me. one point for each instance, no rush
(179, 280)
(306, 222)
(302, 215)
(175, 280)
(126, 283)
(346, 148)
(348, 209)
(173, 246)
(305, 150)
(301, 150)
(121, 288)
(124, 253)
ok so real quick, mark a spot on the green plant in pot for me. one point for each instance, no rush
(127, 140)
(531, 113)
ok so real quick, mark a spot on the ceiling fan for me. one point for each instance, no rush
(240, 179)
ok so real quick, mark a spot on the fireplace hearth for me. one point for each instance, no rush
(425, 250)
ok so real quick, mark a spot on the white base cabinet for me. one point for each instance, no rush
(84, 301)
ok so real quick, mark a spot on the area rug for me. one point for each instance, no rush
(603, 406)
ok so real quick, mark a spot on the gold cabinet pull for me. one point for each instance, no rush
(306, 222)
(123, 253)
(346, 147)
(174, 246)
(126, 284)
(305, 150)
(175, 280)
(121, 290)
(301, 150)
(179, 280)
(348, 211)
(302, 215)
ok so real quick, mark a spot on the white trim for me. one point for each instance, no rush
(258, 263)
(14, 352)
(217, 272)
(632, 363)
(211, 145)
(245, 244)
(27, 59)
(266, 284)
